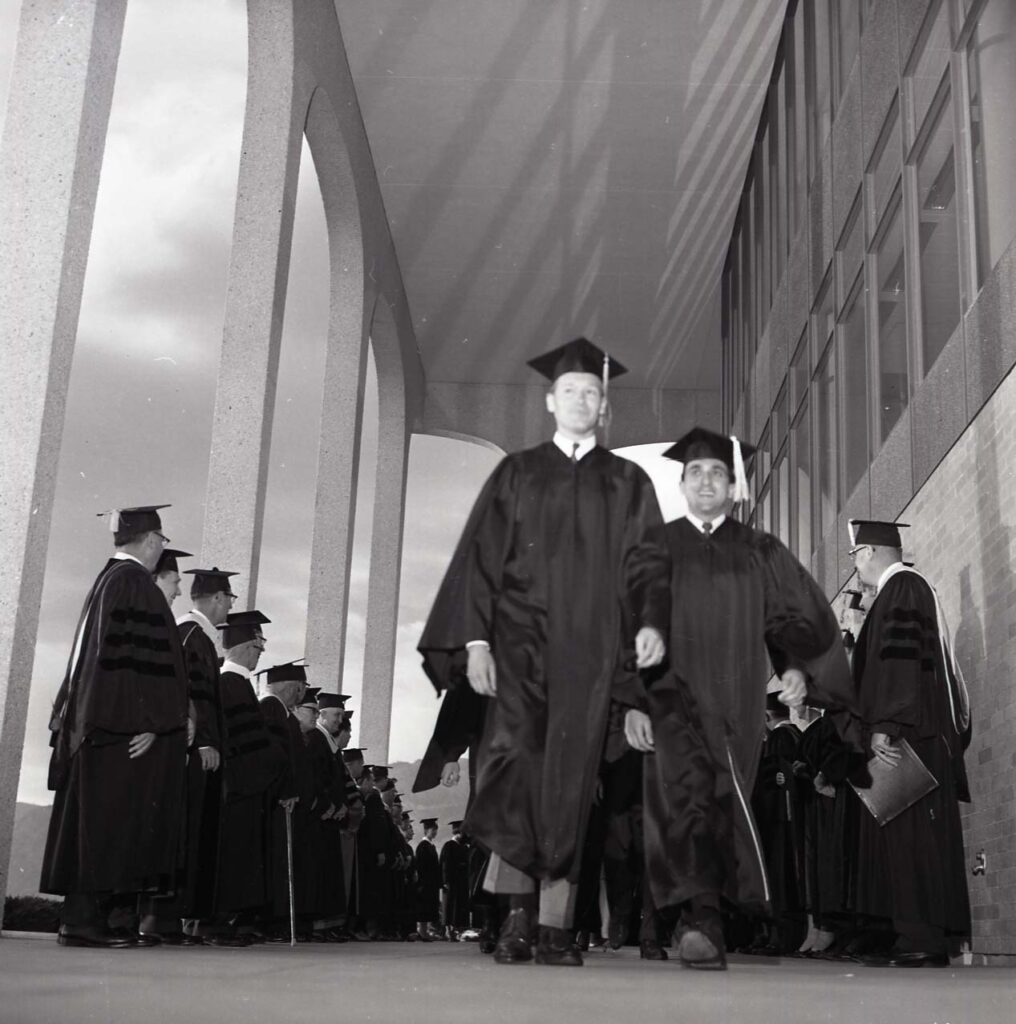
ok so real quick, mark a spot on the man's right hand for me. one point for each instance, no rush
(209, 758)
(450, 774)
(638, 731)
(481, 671)
(882, 747)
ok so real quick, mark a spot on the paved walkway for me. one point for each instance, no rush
(400, 983)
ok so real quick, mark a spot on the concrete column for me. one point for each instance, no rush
(50, 157)
(255, 300)
(385, 563)
(342, 403)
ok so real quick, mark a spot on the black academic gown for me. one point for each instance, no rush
(330, 785)
(204, 789)
(454, 863)
(458, 728)
(559, 566)
(912, 869)
(743, 607)
(375, 880)
(116, 821)
(252, 766)
(428, 884)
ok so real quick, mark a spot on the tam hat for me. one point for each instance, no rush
(578, 356)
(331, 700)
(210, 581)
(455, 826)
(700, 443)
(242, 627)
(855, 599)
(876, 533)
(167, 561)
(141, 519)
(290, 672)
(428, 822)
(310, 697)
(351, 754)
(378, 772)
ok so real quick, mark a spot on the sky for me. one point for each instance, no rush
(142, 389)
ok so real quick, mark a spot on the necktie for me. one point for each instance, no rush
(707, 528)
(575, 451)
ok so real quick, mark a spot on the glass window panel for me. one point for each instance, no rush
(992, 73)
(852, 244)
(764, 457)
(854, 371)
(762, 257)
(939, 241)
(891, 317)
(800, 372)
(781, 498)
(826, 493)
(800, 120)
(848, 37)
(747, 305)
(779, 179)
(779, 419)
(823, 316)
(821, 99)
(802, 484)
(887, 162)
(932, 63)
(763, 511)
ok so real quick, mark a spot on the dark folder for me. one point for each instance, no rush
(894, 789)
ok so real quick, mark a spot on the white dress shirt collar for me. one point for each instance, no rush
(122, 556)
(697, 523)
(232, 666)
(567, 445)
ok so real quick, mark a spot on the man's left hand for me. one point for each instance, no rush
(795, 689)
(649, 648)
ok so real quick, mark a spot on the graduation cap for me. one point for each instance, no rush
(578, 356)
(455, 826)
(141, 519)
(242, 627)
(331, 700)
(378, 772)
(210, 581)
(351, 754)
(384, 785)
(854, 604)
(347, 716)
(700, 443)
(167, 561)
(876, 533)
(428, 822)
(310, 697)
(290, 672)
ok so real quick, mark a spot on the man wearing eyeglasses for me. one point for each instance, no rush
(911, 690)
(119, 744)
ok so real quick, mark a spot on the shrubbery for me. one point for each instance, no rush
(31, 914)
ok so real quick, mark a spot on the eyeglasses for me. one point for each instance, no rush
(860, 547)
(162, 537)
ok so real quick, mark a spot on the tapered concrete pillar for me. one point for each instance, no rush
(385, 564)
(342, 402)
(255, 300)
(57, 112)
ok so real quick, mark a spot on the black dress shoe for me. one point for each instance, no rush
(94, 938)
(227, 940)
(512, 945)
(907, 960)
(556, 948)
(650, 949)
(617, 932)
(175, 938)
(145, 940)
(582, 940)
(698, 951)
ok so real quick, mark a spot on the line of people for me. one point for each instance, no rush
(188, 811)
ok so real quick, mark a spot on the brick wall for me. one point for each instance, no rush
(963, 529)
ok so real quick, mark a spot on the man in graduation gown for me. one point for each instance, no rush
(167, 573)
(558, 585)
(911, 690)
(373, 856)
(743, 607)
(119, 744)
(251, 766)
(454, 863)
(428, 882)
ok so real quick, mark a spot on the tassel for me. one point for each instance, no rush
(741, 492)
(114, 520)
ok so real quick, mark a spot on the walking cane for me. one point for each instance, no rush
(289, 862)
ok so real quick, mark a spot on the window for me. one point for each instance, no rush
(779, 419)
(854, 373)
(884, 172)
(778, 178)
(888, 272)
(850, 251)
(932, 51)
(763, 227)
(781, 497)
(826, 494)
(797, 121)
(991, 61)
(801, 451)
(939, 240)
(800, 372)
(848, 38)
(820, 98)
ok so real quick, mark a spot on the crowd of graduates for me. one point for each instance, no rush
(201, 801)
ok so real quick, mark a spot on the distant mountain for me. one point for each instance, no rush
(31, 822)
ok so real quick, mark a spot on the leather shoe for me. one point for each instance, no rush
(650, 949)
(225, 940)
(907, 960)
(617, 932)
(93, 937)
(698, 951)
(556, 948)
(176, 938)
(513, 943)
(145, 940)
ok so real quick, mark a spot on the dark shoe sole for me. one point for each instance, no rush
(86, 943)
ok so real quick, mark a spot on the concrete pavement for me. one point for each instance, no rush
(443, 983)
